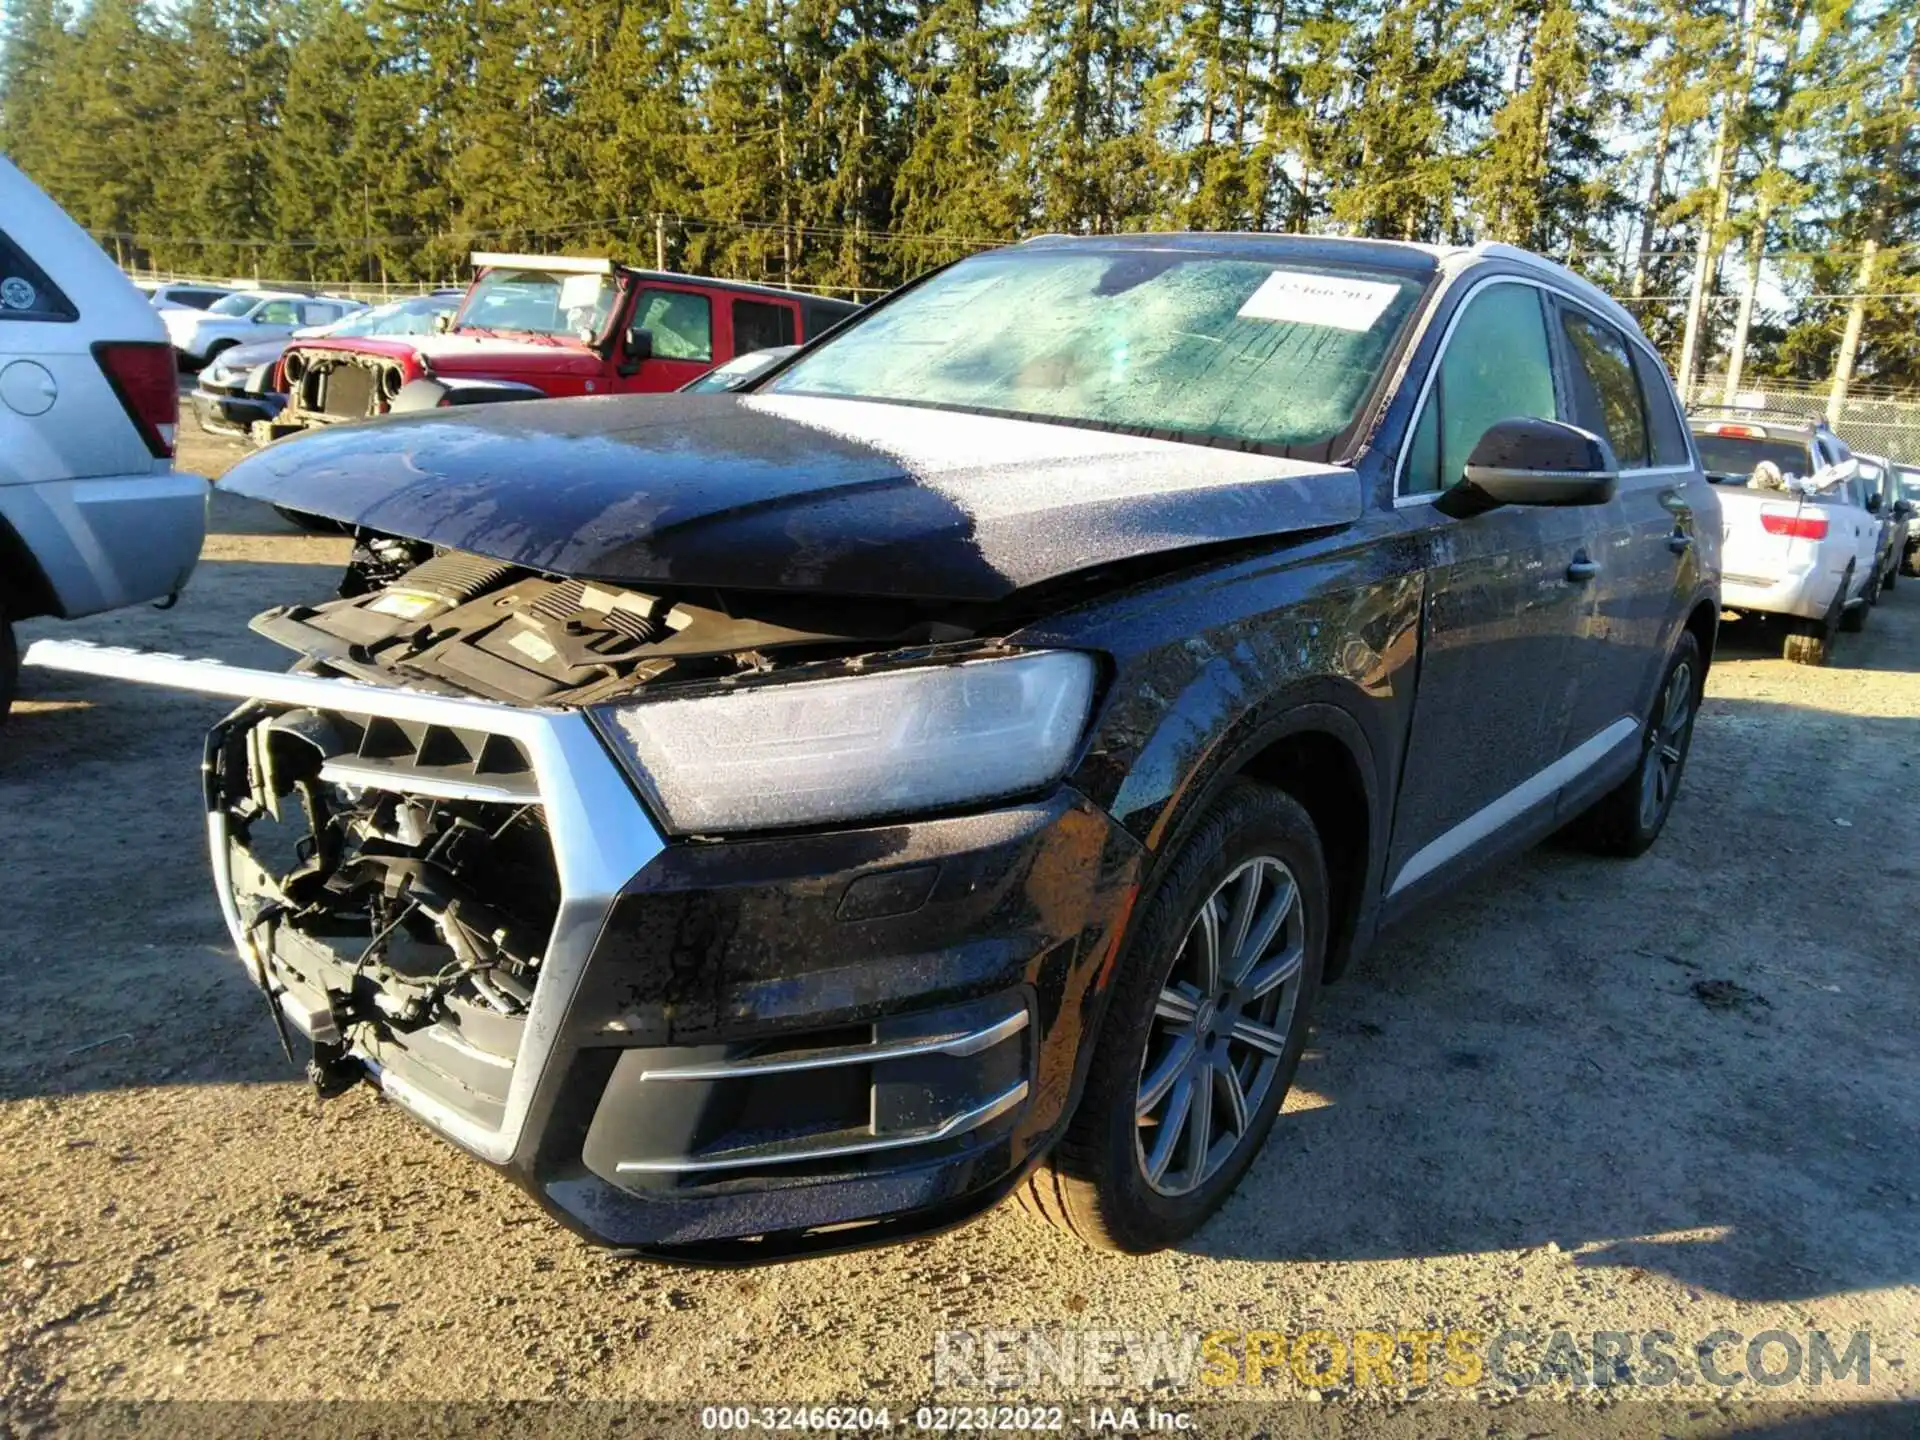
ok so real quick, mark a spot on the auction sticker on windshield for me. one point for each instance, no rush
(1333, 301)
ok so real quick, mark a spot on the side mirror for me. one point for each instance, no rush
(1541, 462)
(443, 322)
(639, 350)
(1873, 503)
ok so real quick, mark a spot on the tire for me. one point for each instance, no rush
(1810, 642)
(1629, 818)
(9, 666)
(1854, 618)
(316, 524)
(1892, 575)
(1096, 1184)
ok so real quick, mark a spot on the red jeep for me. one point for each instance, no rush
(533, 326)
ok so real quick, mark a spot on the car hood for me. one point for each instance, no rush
(789, 493)
(465, 354)
(245, 357)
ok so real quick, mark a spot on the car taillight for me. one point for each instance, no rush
(1799, 525)
(1738, 432)
(142, 375)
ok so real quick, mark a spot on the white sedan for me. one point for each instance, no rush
(246, 316)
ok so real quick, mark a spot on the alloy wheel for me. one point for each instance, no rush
(1220, 1027)
(1666, 745)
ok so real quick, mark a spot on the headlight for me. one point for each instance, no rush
(855, 747)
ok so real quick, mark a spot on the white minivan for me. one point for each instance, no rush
(92, 513)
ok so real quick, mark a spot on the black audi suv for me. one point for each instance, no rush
(784, 820)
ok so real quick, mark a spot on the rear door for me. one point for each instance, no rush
(756, 324)
(1508, 594)
(1645, 533)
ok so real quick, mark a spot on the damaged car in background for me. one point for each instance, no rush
(770, 822)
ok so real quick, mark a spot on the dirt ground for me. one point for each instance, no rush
(1679, 1094)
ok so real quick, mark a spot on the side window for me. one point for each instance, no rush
(25, 291)
(682, 324)
(319, 314)
(278, 312)
(760, 326)
(198, 299)
(1605, 394)
(1496, 367)
(1666, 432)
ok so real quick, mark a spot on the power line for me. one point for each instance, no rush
(320, 242)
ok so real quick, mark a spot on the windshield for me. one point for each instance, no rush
(398, 317)
(737, 371)
(539, 302)
(1909, 480)
(1736, 456)
(1205, 347)
(234, 304)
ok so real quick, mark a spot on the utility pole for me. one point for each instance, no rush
(1876, 233)
(659, 241)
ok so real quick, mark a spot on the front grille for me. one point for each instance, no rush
(595, 838)
(400, 878)
(346, 390)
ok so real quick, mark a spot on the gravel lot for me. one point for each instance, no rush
(1678, 1094)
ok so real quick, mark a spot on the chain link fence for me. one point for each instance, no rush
(1872, 423)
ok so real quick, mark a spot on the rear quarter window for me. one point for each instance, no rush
(25, 291)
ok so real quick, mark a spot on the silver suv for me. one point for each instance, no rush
(92, 514)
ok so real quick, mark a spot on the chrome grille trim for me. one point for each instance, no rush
(601, 836)
(379, 775)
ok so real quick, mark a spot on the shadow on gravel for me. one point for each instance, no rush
(1890, 641)
(1699, 1063)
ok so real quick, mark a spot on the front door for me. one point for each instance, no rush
(1508, 592)
(680, 324)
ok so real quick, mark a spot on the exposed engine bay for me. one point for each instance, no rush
(462, 624)
(340, 384)
(400, 874)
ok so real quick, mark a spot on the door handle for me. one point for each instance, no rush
(1679, 543)
(1582, 569)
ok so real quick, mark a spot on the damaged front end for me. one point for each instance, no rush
(326, 386)
(455, 852)
(402, 878)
